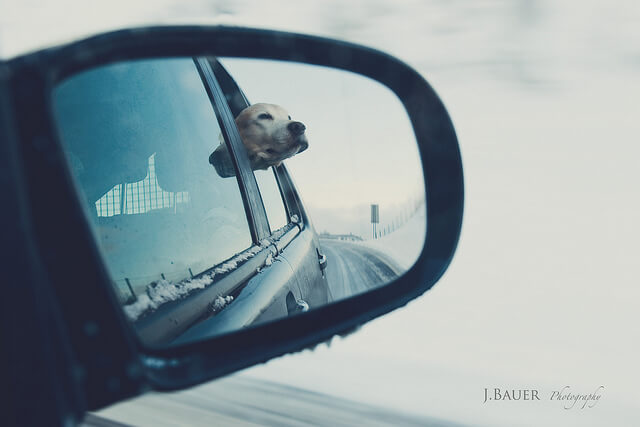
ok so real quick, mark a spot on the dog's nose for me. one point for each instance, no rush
(296, 128)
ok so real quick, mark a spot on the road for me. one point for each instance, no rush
(353, 268)
(242, 401)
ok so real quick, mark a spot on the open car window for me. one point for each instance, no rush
(138, 137)
(271, 198)
(270, 189)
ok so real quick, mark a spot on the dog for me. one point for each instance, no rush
(269, 136)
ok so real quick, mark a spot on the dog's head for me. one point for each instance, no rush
(269, 135)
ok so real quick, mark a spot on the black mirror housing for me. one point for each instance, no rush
(113, 363)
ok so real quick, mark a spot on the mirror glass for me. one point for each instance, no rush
(227, 192)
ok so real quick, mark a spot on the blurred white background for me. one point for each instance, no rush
(543, 291)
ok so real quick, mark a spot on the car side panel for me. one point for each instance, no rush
(301, 254)
(264, 298)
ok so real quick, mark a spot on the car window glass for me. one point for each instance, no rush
(272, 198)
(138, 137)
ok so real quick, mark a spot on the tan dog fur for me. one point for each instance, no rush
(268, 134)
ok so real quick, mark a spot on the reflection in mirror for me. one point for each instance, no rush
(187, 182)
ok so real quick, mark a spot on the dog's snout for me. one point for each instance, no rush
(296, 128)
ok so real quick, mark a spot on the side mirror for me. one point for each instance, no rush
(189, 251)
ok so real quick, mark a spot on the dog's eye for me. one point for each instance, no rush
(265, 116)
(270, 151)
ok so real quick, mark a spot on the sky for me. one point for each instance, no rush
(543, 290)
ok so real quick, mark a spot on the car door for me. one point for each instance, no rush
(187, 250)
(304, 254)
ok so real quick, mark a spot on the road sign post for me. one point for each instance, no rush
(375, 218)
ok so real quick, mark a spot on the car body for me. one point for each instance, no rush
(268, 264)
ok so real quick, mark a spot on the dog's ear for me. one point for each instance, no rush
(221, 161)
(262, 155)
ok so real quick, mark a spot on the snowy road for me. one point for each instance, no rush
(239, 401)
(353, 268)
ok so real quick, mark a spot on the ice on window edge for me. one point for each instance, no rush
(163, 291)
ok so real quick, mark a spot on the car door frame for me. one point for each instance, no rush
(182, 320)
